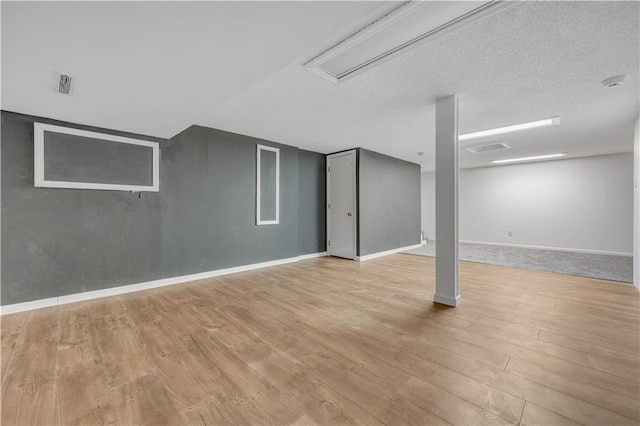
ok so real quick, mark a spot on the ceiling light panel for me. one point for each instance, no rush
(534, 158)
(404, 27)
(508, 129)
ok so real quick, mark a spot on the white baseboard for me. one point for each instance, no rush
(575, 250)
(28, 306)
(312, 255)
(386, 253)
(113, 291)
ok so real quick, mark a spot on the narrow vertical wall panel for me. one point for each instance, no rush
(447, 288)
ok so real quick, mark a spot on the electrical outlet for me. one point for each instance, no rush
(509, 233)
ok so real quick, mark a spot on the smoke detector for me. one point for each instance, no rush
(613, 81)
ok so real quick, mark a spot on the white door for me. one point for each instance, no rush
(341, 204)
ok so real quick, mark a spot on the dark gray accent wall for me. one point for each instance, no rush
(208, 187)
(64, 241)
(312, 181)
(388, 203)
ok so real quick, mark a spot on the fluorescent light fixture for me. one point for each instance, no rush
(514, 128)
(537, 157)
(408, 25)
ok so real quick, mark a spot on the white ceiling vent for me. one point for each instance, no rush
(487, 146)
(62, 83)
(406, 26)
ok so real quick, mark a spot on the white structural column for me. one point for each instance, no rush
(636, 205)
(447, 288)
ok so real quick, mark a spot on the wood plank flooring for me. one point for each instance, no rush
(330, 341)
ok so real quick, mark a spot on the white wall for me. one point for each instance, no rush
(636, 205)
(583, 204)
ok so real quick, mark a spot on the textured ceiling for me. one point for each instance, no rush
(155, 68)
(530, 61)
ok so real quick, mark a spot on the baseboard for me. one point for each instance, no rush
(575, 250)
(386, 253)
(113, 291)
(312, 255)
(28, 306)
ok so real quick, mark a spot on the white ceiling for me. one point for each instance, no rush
(156, 68)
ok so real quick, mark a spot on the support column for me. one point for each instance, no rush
(636, 205)
(447, 289)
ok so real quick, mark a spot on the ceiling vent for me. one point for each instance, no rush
(406, 26)
(487, 146)
(63, 83)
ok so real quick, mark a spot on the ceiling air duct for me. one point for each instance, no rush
(406, 26)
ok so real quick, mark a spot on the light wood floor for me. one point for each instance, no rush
(331, 341)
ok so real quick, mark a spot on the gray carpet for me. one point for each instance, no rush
(602, 266)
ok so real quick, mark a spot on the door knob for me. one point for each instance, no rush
(349, 214)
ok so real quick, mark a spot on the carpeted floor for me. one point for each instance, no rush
(602, 266)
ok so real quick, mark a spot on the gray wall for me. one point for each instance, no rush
(312, 182)
(208, 180)
(388, 203)
(64, 241)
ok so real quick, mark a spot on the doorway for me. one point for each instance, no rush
(341, 204)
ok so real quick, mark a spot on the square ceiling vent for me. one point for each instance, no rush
(487, 146)
(406, 26)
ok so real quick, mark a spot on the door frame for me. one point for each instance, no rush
(351, 152)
